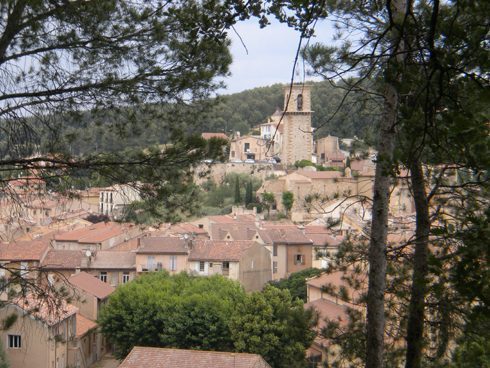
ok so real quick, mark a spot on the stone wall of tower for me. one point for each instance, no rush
(297, 142)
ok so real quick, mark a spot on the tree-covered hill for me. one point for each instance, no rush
(241, 111)
(144, 126)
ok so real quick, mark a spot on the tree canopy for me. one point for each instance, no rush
(171, 311)
(207, 313)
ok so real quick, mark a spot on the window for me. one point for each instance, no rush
(103, 276)
(246, 147)
(111, 198)
(300, 102)
(299, 259)
(201, 226)
(34, 212)
(274, 267)
(232, 153)
(151, 262)
(173, 263)
(201, 266)
(125, 277)
(24, 268)
(274, 250)
(15, 341)
(226, 265)
(210, 264)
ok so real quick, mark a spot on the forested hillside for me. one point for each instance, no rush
(102, 131)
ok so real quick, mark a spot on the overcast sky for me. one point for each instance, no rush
(270, 57)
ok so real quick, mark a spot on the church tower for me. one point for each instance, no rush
(297, 140)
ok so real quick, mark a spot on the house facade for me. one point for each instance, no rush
(245, 261)
(41, 334)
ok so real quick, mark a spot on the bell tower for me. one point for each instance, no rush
(297, 142)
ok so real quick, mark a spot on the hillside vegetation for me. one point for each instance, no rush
(104, 130)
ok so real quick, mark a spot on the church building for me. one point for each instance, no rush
(286, 135)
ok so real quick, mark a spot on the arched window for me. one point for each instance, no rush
(300, 102)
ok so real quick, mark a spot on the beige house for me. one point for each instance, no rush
(22, 259)
(162, 253)
(172, 358)
(325, 244)
(245, 261)
(89, 295)
(113, 200)
(99, 236)
(332, 307)
(40, 336)
(328, 152)
(291, 250)
(248, 147)
(113, 267)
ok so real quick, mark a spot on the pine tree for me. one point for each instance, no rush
(238, 197)
(248, 193)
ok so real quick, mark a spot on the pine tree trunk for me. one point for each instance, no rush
(379, 232)
(415, 333)
(381, 196)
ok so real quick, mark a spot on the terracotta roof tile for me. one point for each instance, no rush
(163, 245)
(91, 285)
(338, 280)
(84, 325)
(329, 310)
(214, 135)
(237, 231)
(63, 259)
(171, 358)
(286, 235)
(95, 233)
(115, 260)
(213, 250)
(48, 309)
(29, 250)
(186, 228)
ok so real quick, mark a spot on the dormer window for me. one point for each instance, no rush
(299, 102)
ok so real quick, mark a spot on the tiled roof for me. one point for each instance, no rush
(29, 250)
(48, 309)
(213, 250)
(131, 244)
(116, 260)
(172, 358)
(237, 231)
(84, 325)
(186, 228)
(214, 135)
(328, 310)
(286, 235)
(338, 280)
(91, 285)
(323, 240)
(163, 245)
(63, 259)
(95, 233)
(231, 219)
